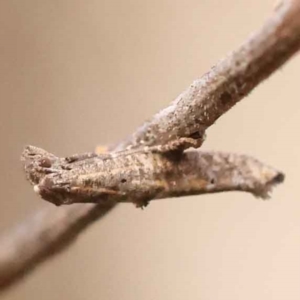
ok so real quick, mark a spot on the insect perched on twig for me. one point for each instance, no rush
(146, 173)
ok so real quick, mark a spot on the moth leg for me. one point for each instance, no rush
(46, 170)
(141, 203)
(179, 145)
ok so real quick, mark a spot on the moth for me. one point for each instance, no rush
(143, 174)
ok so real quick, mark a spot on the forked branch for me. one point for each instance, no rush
(188, 116)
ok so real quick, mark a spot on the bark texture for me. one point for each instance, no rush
(48, 232)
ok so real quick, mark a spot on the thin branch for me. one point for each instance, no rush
(199, 107)
(226, 83)
(42, 236)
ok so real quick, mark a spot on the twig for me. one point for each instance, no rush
(42, 236)
(226, 83)
(199, 107)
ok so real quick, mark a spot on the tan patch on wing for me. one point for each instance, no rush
(96, 190)
(101, 149)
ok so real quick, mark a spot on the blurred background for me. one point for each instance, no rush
(76, 74)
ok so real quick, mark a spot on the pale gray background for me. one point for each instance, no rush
(74, 74)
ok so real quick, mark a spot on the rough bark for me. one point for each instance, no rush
(48, 233)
